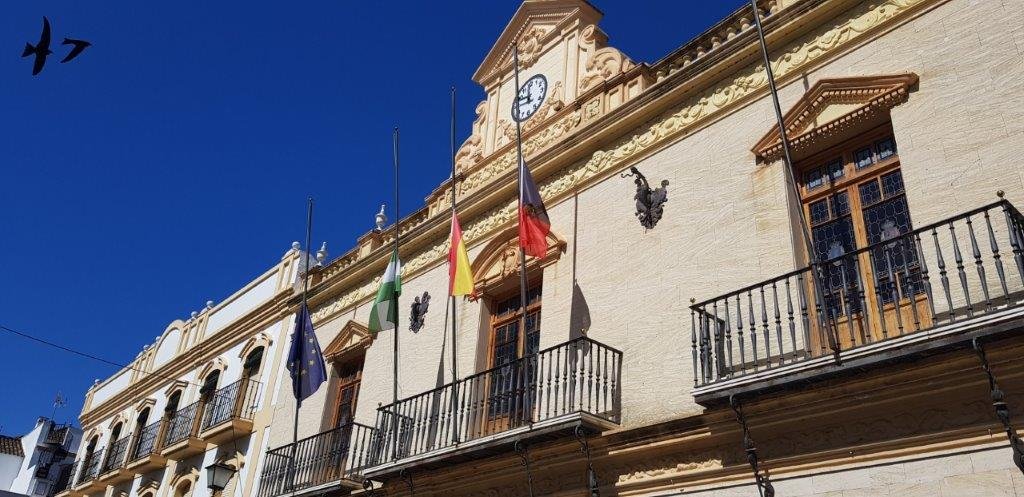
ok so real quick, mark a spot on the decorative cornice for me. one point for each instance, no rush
(872, 95)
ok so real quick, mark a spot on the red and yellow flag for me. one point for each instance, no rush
(460, 276)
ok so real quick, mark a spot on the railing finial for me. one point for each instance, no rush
(1000, 193)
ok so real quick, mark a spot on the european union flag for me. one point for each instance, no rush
(305, 362)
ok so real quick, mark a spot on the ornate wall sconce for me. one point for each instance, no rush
(649, 202)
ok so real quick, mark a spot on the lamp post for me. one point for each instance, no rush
(217, 476)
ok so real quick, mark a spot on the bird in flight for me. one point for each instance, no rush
(79, 47)
(41, 50)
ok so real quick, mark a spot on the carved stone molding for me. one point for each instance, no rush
(833, 106)
(259, 340)
(531, 43)
(353, 339)
(472, 150)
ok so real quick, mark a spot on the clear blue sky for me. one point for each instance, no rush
(169, 164)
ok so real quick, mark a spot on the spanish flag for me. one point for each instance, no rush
(460, 276)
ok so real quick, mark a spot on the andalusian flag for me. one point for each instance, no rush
(460, 276)
(384, 313)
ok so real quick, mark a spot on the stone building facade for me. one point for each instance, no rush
(850, 325)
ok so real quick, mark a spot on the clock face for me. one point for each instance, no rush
(530, 96)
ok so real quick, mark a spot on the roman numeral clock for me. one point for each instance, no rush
(530, 97)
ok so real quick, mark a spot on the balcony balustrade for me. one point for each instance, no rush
(144, 454)
(113, 470)
(937, 286)
(90, 468)
(544, 395)
(62, 487)
(334, 459)
(229, 412)
(181, 437)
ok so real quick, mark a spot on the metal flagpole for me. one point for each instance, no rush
(791, 177)
(522, 251)
(455, 358)
(398, 234)
(305, 290)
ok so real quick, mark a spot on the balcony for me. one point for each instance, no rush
(330, 461)
(62, 487)
(181, 438)
(229, 412)
(932, 289)
(547, 395)
(87, 483)
(144, 455)
(113, 470)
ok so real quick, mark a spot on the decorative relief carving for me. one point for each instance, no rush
(531, 43)
(714, 100)
(602, 63)
(472, 150)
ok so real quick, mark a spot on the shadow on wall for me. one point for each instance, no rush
(579, 314)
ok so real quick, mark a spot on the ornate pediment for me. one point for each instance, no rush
(834, 107)
(497, 266)
(534, 25)
(353, 339)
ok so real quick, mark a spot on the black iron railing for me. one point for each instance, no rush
(331, 456)
(64, 476)
(146, 441)
(57, 435)
(237, 400)
(956, 269)
(182, 425)
(90, 467)
(116, 453)
(579, 376)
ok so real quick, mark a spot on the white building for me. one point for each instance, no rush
(35, 463)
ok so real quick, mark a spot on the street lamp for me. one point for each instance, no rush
(217, 476)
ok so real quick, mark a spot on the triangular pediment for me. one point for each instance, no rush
(353, 338)
(534, 25)
(835, 107)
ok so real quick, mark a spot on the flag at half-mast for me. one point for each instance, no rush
(534, 224)
(305, 360)
(460, 275)
(384, 313)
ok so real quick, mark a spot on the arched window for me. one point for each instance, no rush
(209, 385)
(253, 362)
(172, 404)
(184, 489)
(115, 434)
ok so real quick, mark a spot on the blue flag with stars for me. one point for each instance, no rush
(305, 362)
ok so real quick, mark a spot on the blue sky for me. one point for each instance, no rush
(169, 164)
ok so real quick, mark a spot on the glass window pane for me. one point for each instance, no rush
(819, 212)
(892, 184)
(870, 193)
(863, 158)
(814, 179)
(835, 169)
(886, 148)
(841, 204)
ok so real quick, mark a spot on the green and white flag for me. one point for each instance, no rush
(384, 313)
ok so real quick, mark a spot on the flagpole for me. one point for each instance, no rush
(394, 304)
(519, 152)
(302, 309)
(791, 177)
(455, 355)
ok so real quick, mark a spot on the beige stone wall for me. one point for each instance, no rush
(984, 473)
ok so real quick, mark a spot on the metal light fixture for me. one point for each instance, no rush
(217, 476)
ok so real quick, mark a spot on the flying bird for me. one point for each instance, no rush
(79, 47)
(41, 50)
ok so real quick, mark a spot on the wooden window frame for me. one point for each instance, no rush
(344, 382)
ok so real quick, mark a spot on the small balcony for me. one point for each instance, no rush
(543, 396)
(181, 437)
(144, 453)
(229, 412)
(935, 288)
(113, 470)
(63, 487)
(331, 461)
(87, 482)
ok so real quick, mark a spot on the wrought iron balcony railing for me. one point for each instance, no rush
(64, 476)
(933, 279)
(581, 376)
(146, 442)
(238, 400)
(321, 460)
(90, 467)
(116, 454)
(57, 435)
(182, 425)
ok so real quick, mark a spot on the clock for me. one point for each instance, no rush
(530, 96)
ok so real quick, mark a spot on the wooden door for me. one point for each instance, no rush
(350, 376)
(509, 398)
(854, 197)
